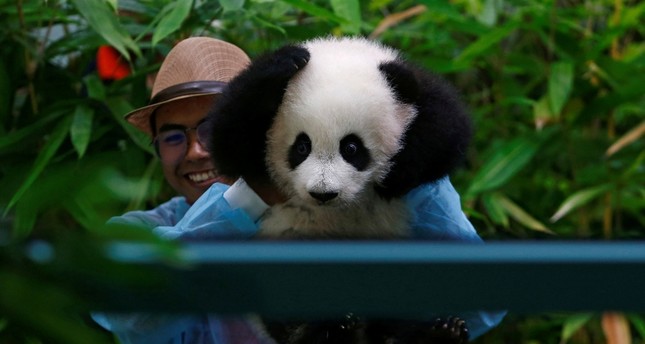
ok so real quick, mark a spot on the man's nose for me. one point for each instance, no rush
(195, 150)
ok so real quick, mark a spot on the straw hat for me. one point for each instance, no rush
(195, 67)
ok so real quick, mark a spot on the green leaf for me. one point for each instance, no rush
(638, 322)
(520, 215)
(103, 20)
(316, 11)
(84, 212)
(118, 108)
(81, 129)
(560, 85)
(175, 13)
(504, 164)
(45, 307)
(5, 96)
(485, 42)
(351, 11)
(495, 209)
(488, 13)
(579, 199)
(270, 25)
(142, 190)
(95, 88)
(542, 113)
(51, 146)
(113, 4)
(444, 8)
(18, 136)
(232, 5)
(573, 324)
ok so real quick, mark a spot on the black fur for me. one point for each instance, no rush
(299, 150)
(354, 152)
(353, 330)
(437, 139)
(244, 113)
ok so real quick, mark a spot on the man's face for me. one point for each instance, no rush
(188, 170)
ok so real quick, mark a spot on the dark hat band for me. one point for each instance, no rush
(188, 88)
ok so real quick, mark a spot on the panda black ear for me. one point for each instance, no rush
(402, 81)
(244, 112)
(436, 140)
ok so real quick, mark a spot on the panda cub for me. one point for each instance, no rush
(343, 127)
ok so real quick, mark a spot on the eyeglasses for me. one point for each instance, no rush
(171, 144)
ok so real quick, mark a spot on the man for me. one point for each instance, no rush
(188, 82)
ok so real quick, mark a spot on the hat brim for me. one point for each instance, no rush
(140, 118)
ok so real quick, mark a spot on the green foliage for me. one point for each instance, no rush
(555, 88)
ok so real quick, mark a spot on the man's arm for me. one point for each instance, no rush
(437, 215)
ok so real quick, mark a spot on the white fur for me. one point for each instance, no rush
(340, 91)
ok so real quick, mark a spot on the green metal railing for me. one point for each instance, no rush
(402, 279)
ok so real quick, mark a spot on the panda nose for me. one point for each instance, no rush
(324, 196)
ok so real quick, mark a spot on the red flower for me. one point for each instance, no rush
(110, 64)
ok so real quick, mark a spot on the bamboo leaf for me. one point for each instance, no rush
(521, 216)
(81, 129)
(84, 212)
(486, 41)
(232, 5)
(104, 21)
(495, 209)
(578, 199)
(113, 4)
(316, 11)
(639, 323)
(573, 324)
(51, 146)
(351, 11)
(30, 300)
(118, 107)
(489, 11)
(5, 96)
(95, 88)
(444, 8)
(542, 113)
(270, 25)
(635, 167)
(505, 163)
(175, 13)
(22, 134)
(560, 85)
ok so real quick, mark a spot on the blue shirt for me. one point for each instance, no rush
(233, 213)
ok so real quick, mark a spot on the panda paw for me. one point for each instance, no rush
(285, 62)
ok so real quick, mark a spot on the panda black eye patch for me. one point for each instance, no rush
(354, 152)
(299, 150)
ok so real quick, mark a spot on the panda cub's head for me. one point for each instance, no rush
(336, 121)
(338, 126)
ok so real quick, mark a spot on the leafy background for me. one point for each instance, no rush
(555, 87)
